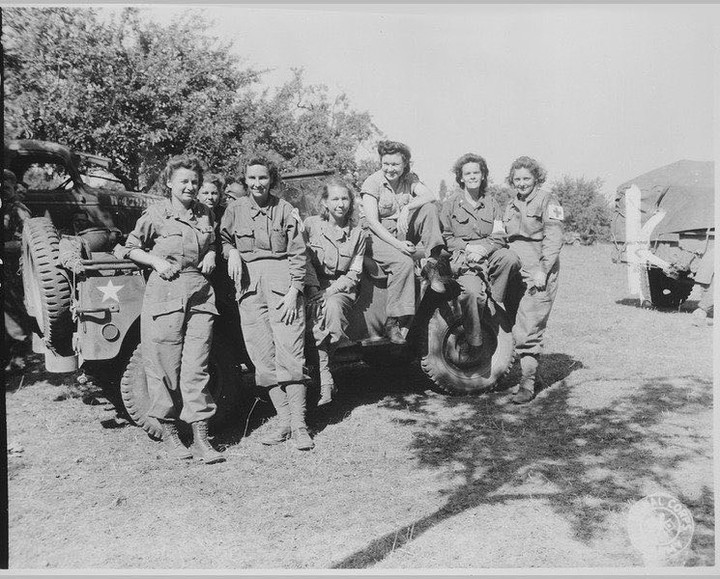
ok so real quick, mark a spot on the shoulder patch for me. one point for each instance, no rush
(555, 212)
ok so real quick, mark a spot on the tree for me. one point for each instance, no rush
(138, 92)
(586, 209)
(501, 192)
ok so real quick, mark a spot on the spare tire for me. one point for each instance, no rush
(225, 387)
(47, 288)
(445, 333)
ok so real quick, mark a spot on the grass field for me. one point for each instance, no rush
(401, 477)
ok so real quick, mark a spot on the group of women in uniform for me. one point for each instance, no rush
(287, 273)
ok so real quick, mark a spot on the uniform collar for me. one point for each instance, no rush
(334, 232)
(255, 209)
(196, 210)
(469, 200)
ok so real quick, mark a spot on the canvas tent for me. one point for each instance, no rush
(686, 190)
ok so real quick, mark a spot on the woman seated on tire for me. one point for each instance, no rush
(400, 211)
(266, 257)
(175, 239)
(534, 224)
(336, 248)
(474, 233)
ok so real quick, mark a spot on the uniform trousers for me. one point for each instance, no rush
(176, 332)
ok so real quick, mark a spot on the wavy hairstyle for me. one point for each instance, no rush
(190, 162)
(269, 165)
(471, 158)
(337, 182)
(524, 162)
(217, 180)
(395, 147)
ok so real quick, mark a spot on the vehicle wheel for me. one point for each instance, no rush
(445, 335)
(47, 289)
(666, 292)
(225, 388)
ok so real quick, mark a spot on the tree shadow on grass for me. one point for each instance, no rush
(591, 456)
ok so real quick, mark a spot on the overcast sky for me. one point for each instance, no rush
(607, 91)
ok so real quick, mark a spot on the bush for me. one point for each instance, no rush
(587, 212)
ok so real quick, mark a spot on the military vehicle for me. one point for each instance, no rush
(664, 229)
(86, 303)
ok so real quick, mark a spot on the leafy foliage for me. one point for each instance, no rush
(138, 92)
(587, 213)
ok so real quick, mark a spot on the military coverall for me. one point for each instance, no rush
(424, 225)
(535, 233)
(273, 254)
(177, 314)
(333, 253)
(464, 223)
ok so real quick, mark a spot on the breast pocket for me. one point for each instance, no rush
(278, 239)
(170, 242)
(533, 225)
(345, 256)
(461, 225)
(245, 242)
(204, 237)
(483, 227)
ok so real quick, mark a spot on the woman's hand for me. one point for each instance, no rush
(342, 285)
(406, 247)
(539, 280)
(288, 307)
(235, 265)
(207, 266)
(166, 269)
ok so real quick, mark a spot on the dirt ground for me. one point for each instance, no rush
(402, 477)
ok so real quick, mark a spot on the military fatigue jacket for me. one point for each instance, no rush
(269, 232)
(163, 232)
(464, 222)
(333, 251)
(390, 202)
(534, 228)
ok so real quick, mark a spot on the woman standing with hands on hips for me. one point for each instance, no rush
(399, 212)
(534, 224)
(175, 239)
(336, 248)
(266, 258)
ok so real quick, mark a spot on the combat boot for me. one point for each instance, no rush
(526, 391)
(282, 432)
(201, 448)
(296, 401)
(173, 444)
(526, 388)
(327, 383)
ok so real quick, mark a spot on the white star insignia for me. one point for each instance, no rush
(110, 291)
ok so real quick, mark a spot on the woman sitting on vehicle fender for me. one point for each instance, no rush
(176, 239)
(534, 224)
(400, 211)
(336, 248)
(473, 230)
